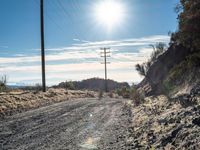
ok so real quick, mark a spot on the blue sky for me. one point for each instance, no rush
(73, 37)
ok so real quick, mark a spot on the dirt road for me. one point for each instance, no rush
(74, 124)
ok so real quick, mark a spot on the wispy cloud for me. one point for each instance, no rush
(76, 40)
(125, 42)
(86, 45)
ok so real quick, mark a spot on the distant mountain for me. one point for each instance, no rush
(92, 84)
(16, 85)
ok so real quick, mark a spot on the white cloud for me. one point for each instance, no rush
(76, 40)
(56, 73)
(86, 45)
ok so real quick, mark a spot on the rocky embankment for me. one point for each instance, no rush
(161, 123)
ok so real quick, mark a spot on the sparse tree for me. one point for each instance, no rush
(140, 69)
(158, 50)
(3, 83)
(189, 25)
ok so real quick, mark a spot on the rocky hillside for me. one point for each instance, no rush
(160, 124)
(95, 84)
(163, 123)
(178, 68)
(175, 70)
(171, 120)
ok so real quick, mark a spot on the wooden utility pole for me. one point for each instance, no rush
(42, 45)
(104, 54)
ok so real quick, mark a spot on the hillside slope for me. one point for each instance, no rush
(174, 70)
(178, 68)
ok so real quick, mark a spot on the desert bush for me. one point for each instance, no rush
(124, 92)
(141, 69)
(100, 94)
(158, 50)
(192, 61)
(38, 87)
(119, 92)
(69, 85)
(35, 88)
(136, 96)
(167, 87)
(111, 94)
(3, 82)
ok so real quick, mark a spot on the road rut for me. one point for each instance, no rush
(73, 124)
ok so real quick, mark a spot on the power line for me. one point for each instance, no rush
(105, 54)
(67, 15)
(51, 18)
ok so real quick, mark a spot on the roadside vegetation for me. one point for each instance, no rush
(35, 88)
(131, 93)
(100, 94)
(26, 100)
(189, 64)
(3, 83)
(188, 70)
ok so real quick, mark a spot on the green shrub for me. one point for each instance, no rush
(35, 88)
(111, 94)
(125, 92)
(136, 96)
(3, 83)
(192, 61)
(168, 87)
(100, 94)
(38, 87)
(118, 91)
(141, 69)
(69, 85)
(158, 50)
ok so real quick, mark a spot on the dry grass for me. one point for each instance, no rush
(17, 101)
(158, 117)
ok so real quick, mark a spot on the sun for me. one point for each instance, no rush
(109, 13)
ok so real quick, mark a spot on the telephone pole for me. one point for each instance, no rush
(104, 54)
(42, 45)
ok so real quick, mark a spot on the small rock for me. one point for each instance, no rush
(196, 121)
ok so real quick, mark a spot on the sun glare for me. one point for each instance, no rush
(109, 13)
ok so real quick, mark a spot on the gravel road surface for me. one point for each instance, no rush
(70, 125)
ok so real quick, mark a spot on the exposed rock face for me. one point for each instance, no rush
(160, 69)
